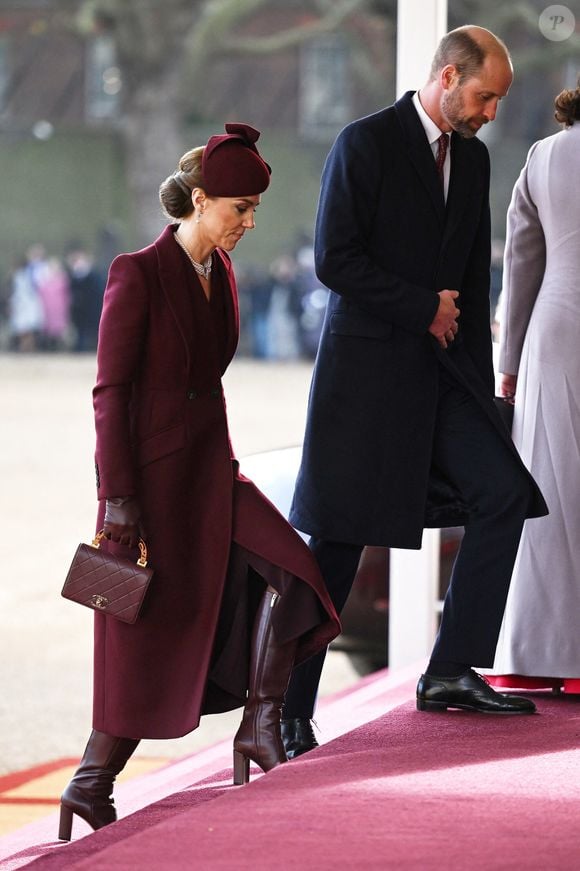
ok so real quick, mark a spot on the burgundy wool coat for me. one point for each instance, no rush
(214, 540)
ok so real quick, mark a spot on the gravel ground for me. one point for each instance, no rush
(47, 505)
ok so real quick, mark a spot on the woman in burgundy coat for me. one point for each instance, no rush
(236, 597)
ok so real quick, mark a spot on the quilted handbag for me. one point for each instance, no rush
(108, 583)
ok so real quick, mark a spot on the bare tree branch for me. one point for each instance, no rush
(218, 17)
(330, 21)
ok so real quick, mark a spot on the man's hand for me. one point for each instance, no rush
(507, 386)
(122, 518)
(444, 326)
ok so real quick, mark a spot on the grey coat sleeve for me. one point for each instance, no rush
(523, 271)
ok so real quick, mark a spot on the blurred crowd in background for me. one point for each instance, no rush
(281, 307)
(53, 304)
(50, 303)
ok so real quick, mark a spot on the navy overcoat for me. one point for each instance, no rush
(386, 243)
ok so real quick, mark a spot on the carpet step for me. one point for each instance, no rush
(201, 776)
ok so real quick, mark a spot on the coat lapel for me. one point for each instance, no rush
(460, 182)
(419, 151)
(174, 283)
(231, 306)
(421, 156)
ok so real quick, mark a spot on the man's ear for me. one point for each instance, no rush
(448, 77)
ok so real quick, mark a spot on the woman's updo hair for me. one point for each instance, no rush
(567, 105)
(175, 191)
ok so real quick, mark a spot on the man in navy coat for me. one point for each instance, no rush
(402, 431)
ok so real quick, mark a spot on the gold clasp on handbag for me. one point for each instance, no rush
(142, 561)
(100, 602)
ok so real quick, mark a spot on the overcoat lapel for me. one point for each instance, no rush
(232, 310)
(419, 152)
(460, 181)
(173, 281)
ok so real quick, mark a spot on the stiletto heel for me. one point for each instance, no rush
(241, 769)
(65, 823)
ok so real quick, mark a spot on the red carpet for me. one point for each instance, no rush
(405, 791)
(337, 715)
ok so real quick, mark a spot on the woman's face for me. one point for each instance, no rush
(225, 220)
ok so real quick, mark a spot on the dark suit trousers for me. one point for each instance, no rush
(468, 450)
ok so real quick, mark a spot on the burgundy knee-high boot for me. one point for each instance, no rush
(89, 794)
(258, 738)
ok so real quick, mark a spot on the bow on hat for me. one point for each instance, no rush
(232, 165)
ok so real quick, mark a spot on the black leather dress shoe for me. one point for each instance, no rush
(297, 737)
(470, 692)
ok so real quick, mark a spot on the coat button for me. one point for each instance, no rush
(192, 394)
(214, 393)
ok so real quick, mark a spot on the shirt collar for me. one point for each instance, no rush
(432, 131)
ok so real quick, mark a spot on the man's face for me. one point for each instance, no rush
(466, 107)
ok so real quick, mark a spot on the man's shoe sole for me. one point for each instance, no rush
(441, 707)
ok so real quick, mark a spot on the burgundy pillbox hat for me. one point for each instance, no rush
(231, 165)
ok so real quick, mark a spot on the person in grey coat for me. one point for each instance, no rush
(401, 401)
(539, 643)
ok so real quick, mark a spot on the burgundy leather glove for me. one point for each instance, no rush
(122, 521)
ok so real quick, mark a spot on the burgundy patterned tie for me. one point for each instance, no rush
(442, 146)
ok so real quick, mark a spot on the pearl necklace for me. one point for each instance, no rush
(202, 269)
